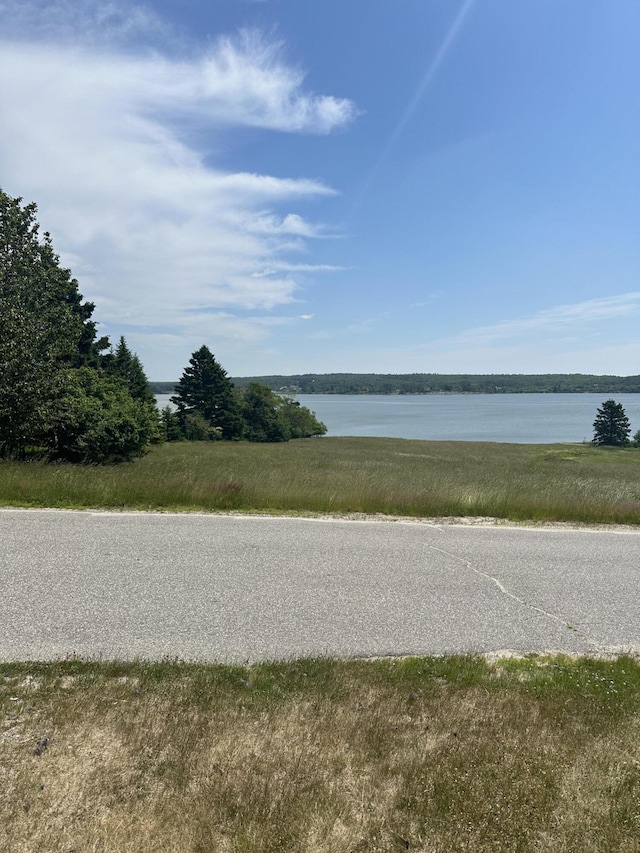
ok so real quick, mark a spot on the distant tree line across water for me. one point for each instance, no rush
(435, 383)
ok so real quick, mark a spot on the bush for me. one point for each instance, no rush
(262, 416)
(301, 422)
(196, 427)
(96, 420)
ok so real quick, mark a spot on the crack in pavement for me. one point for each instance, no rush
(547, 613)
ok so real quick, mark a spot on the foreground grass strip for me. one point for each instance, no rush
(561, 482)
(425, 754)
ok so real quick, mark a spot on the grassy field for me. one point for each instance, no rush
(579, 483)
(432, 755)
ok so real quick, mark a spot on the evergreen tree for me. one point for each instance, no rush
(170, 425)
(205, 388)
(611, 426)
(54, 393)
(128, 367)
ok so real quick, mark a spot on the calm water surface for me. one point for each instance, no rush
(519, 418)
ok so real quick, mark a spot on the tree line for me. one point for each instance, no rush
(68, 395)
(438, 383)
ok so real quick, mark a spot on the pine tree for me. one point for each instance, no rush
(128, 367)
(170, 425)
(611, 426)
(205, 389)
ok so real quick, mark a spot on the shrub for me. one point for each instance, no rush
(96, 420)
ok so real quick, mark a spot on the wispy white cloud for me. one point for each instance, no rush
(572, 319)
(228, 335)
(269, 223)
(97, 132)
(109, 21)
(283, 266)
(572, 338)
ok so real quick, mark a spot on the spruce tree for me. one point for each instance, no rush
(205, 389)
(128, 367)
(611, 426)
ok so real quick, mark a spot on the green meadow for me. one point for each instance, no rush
(557, 482)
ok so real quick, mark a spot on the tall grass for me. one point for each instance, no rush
(578, 483)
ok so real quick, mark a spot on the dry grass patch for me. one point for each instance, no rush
(421, 754)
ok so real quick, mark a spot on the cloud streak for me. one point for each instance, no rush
(112, 21)
(102, 138)
(560, 319)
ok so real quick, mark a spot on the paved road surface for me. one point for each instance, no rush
(234, 588)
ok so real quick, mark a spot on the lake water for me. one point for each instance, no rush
(519, 418)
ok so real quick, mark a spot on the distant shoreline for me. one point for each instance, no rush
(420, 384)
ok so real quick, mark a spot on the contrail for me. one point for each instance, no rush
(419, 93)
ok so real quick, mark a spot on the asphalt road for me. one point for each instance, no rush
(234, 588)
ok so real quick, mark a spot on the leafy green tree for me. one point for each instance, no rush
(611, 426)
(96, 420)
(195, 427)
(55, 395)
(206, 389)
(300, 421)
(262, 414)
(39, 328)
(636, 439)
(269, 416)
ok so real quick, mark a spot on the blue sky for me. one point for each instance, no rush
(387, 186)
